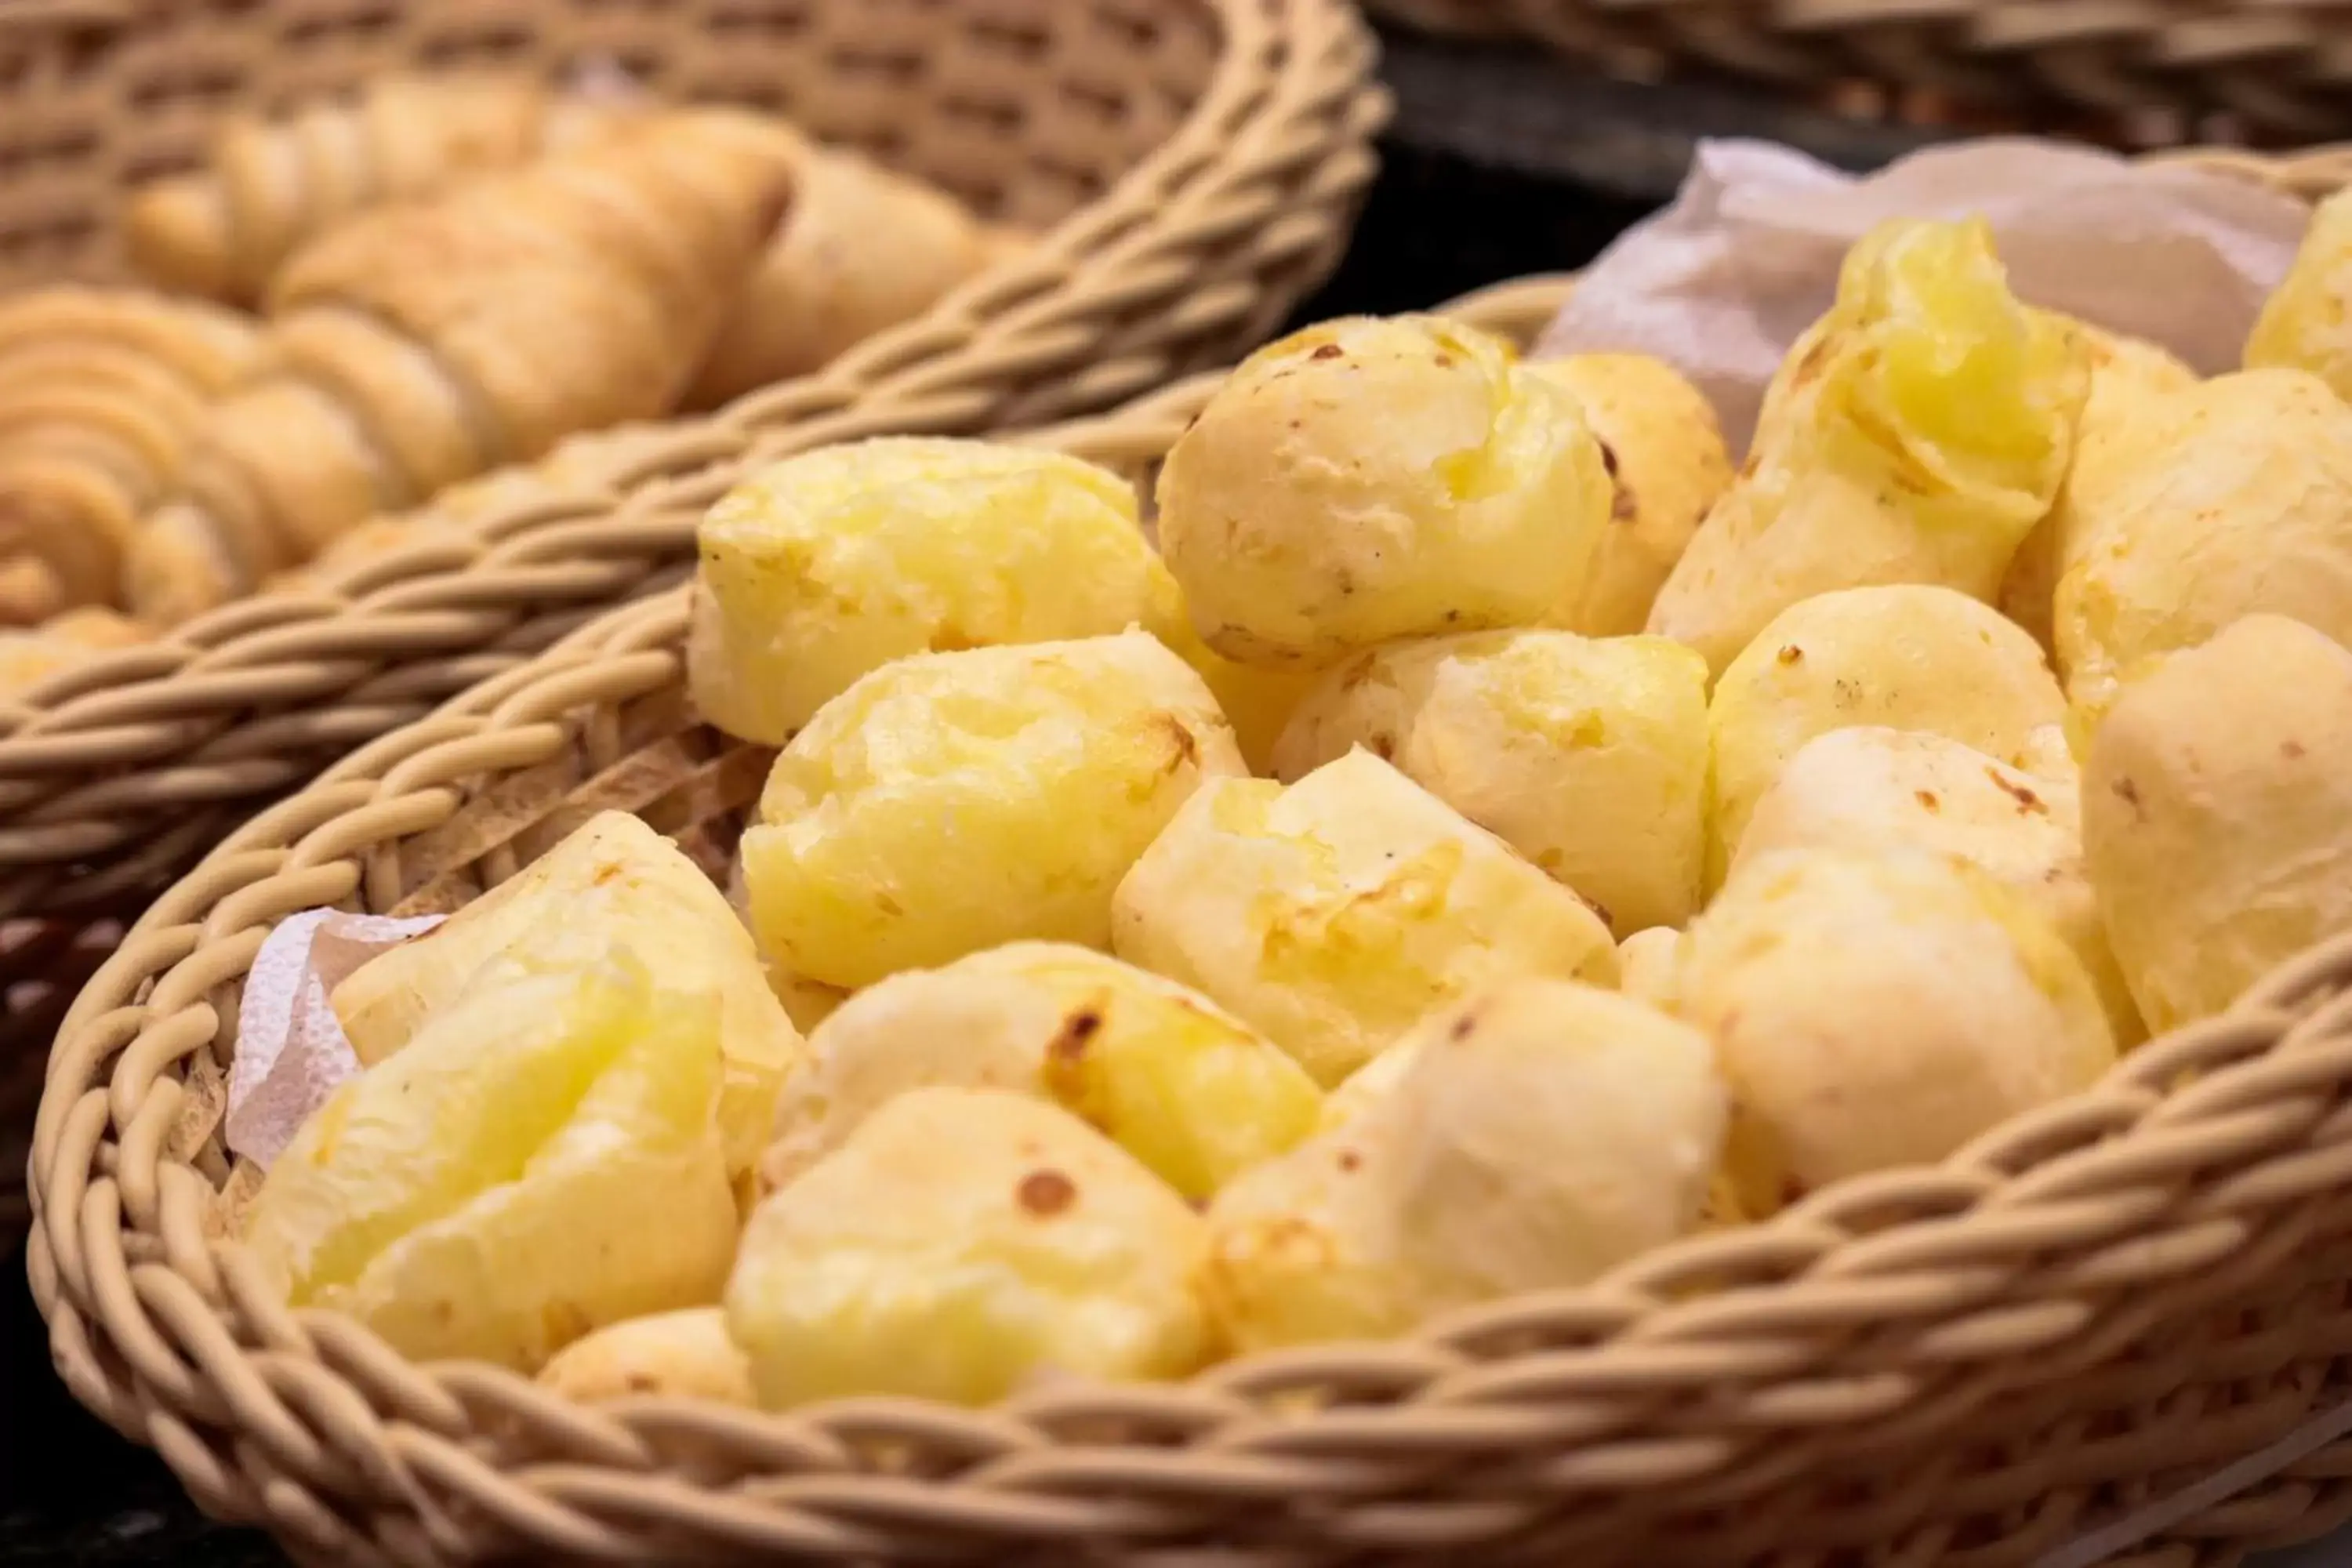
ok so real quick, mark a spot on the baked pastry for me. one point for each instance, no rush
(99, 392)
(426, 342)
(33, 653)
(271, 184)
(863, 249)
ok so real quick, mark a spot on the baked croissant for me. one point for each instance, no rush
(31, 655)
(271, 184)
(100, 393)
(421, 344)
(863, 249)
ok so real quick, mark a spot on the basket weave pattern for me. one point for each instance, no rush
(2282, 68)
(2084, 1315)
(1198, 162)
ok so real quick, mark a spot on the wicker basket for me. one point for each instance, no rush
(2151, 69)
(2088, 1320)
(1198, 162)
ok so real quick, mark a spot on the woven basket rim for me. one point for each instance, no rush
(2050, 1237)
(1258, 179)
(2276, 68)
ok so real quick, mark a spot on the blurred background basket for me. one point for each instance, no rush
(2118, 1330)
(1195, 165)
(2133, 72)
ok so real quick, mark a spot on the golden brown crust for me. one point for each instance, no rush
(862, 249)
(64, 524)
(270, 185)
(101, 393)
(397, 388)
(209, 347)
(427, 340)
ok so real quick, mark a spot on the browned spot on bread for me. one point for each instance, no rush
(1186, 749)
(2026, 799)
(2128, 793)
(1068, 1046)
(1928, 801)
(1329, 351)
(1045, 1192)
(1791, 654)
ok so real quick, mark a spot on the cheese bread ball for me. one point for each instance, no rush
(1876, 1008)
(962, 1242)
(614, 881)
(684, 1354)
(1333, 913)
(1907, 658)
(1918, 436)
(1255, 701)
(956, 801)
(2123, 422)
(1649, 963)
(2243, 506)
(1368, 479)
(1588, 756)
(543, 1158)
(1536, 1135)
(1872, 788)
(1668, 465)
(831, 563)
(2301, 326)
(1177, 1081)
(2217, 821)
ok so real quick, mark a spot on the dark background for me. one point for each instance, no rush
(1499, 163)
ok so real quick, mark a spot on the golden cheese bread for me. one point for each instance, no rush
(424, 342)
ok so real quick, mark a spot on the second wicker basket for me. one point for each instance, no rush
(1196, 165)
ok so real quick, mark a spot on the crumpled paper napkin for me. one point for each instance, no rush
(1722, 282)
(291, 1054)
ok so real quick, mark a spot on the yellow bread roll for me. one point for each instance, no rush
(1917, 434)
(1368, 479)
(2242, 505)
(1667, 467)
(1531, 1137)
(960, 1243)
(1333, 912)
(2217, 824)
(1586, 755)
(1953, 1008)
(951, 802)
(1177, 1082)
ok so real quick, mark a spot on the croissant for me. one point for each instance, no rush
(99, 393)
(423, 343)
(271, 184)
(863, 249)
(32, 655)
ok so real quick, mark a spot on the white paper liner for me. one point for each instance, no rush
(291, 1054)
